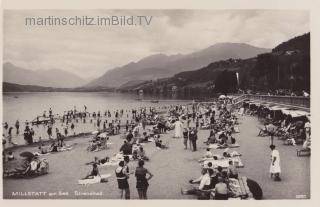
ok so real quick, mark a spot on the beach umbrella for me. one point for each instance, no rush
(27, 154)
(255, 188)
(103, 135)
(95, 132)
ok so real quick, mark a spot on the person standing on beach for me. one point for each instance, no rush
(185, 138)
(142, 180)
(49, 131)
(193, 138)
(126, 167)
(178, 129)
(50, 112)
(10, 135)
(122, 179)
(17, 125)
(66, 130)
(72, 128)
(5, 126)
(271, 131)
(275, 169)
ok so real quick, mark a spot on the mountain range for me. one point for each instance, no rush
(287, 66)
(47, 78)
(161, 66)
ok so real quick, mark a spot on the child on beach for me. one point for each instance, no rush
(94, 172)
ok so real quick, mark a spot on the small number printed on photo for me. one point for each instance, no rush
(301, 196)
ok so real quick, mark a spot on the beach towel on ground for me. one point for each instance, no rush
(216, 146)
(213, 146)
(40, 154)
(96, 179)
(224, 163)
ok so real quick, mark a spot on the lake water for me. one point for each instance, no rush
(27, 106)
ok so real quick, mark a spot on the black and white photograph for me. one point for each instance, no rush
(157, 104)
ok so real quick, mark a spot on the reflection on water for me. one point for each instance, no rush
(27, 106)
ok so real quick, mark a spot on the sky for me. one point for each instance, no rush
(89, 51)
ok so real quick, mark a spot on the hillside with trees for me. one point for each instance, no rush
(287, 67)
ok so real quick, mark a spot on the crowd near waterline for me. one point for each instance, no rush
(219, 177)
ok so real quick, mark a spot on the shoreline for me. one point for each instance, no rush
(183, 167)
(68, 138)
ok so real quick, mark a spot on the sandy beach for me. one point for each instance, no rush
(172, 169)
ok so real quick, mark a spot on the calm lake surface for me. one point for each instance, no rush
(27, 106)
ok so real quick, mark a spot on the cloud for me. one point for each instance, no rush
(89, 51)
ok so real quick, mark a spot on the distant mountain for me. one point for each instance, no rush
(47, 78)
(131, 84)
(161, 66)
(287, 66)
(13, 87)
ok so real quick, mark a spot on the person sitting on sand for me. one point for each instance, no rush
(129, 136)
(53, 147)
(222, 142)
(160, 145)
(205, 184)
(142, 154)
(144, 138)
(139, 154)
(263, 131)
(221, 190)
(212, 138)
(232, 170)
(93, 173)
(43, 149)
(208, 154)
(10, 156)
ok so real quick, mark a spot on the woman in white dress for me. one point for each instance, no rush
(178, 126)
(275, 169)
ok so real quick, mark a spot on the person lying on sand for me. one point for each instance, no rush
(99, 161)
